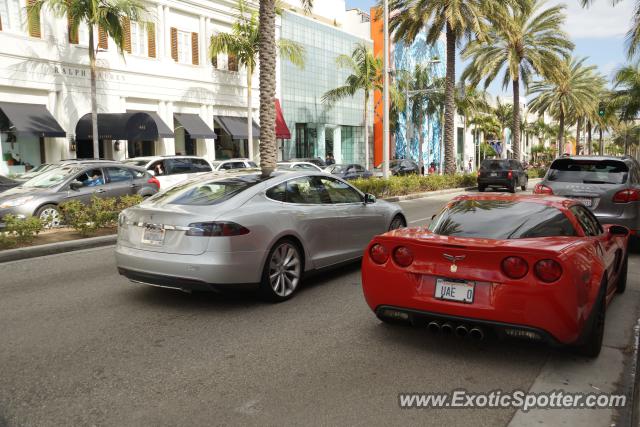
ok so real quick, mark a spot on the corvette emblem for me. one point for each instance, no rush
(453, 260)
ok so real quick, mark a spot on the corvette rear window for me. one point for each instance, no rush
(501, 220)
(588, 171)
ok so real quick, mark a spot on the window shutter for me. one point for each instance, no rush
(33, 22)
(126, 25)
(195, 52)
(103, 39)
(151, 38)
(174, 43)
(232, 63)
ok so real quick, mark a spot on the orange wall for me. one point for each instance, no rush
(377, 36)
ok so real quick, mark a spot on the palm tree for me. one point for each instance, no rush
(458, 19)
(574, 89)
(366, 76)
(470, 103)
(504, 114)
(267, 59)
(243, 43)
(110, 17)
(527, 40)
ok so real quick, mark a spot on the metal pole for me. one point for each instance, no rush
(385, 119)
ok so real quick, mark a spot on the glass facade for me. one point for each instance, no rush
(317, 131)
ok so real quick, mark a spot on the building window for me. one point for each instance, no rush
(184, 47)
(139, 39)
(10, 15)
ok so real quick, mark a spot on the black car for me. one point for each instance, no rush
(348, 171)
(315, 160)
(7, 183)
(503, 173)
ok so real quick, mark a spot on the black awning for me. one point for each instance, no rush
(29, 119)
(196, 127)
(237, 127)
(140, 126)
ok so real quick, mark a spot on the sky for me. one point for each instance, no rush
(598, 31)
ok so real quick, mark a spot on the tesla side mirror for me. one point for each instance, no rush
(75, 185)
(618, 230)
(369, 199)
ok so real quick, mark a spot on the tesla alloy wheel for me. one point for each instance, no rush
(282, 272)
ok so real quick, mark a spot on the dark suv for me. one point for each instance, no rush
(504, 173)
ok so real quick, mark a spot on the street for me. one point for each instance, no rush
(83, 346)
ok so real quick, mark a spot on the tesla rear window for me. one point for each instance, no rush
(501, 220)
(588, 171)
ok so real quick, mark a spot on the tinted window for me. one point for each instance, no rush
(118, 174)
(158, 168)
(237, 165)
(176, 166)
(358, 168)
(339, 192)
(587, 221)
(200, 165)
(277, 193)
(497, 219)
(588, 171)
(252, 165)
(91, 178)
(495, 165)
(209, 192)
(307, 190)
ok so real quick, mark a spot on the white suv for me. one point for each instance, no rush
(223, 165)
(171, 170)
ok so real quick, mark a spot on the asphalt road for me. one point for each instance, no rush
(80, 345)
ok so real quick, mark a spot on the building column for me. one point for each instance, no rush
(322, 148)
(337, 144)
(56, 149)
(204, 46)
(211, 143)
(160, 30)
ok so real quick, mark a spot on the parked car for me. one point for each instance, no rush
(243, 228)
(315, 160)
(48, 166)
(608, 186)
(348, 171)
(232, 164)
(7, 183)
(41, 196)
(519, 266)
(298, 166)
(170, 170)
(502, 173)
(399, 167)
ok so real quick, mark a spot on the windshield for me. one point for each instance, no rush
(501, 220)
(52, 177)
(588, 171)
(43, 167)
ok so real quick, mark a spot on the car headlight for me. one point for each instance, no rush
(11, 203)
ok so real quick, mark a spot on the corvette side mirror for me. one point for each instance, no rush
(618, 230)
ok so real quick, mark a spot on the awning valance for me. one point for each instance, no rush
(282, 130)
(132, 126)
(196, 127)
(29, 119)
(237, 127)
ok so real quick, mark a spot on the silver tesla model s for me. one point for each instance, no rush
(246, 229)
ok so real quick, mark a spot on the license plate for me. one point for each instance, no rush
(153, 236)
(454, 291)
(493, 174)
(584, 200)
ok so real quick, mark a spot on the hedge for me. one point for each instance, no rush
(403, 185)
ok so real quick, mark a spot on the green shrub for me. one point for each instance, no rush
(76, 215)
(18, 230)
(403, 185)
(536, 173)
(100, 213)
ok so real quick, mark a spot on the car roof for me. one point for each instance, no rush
(554, 201)
(595, 158)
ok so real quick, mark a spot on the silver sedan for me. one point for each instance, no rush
(245, 229)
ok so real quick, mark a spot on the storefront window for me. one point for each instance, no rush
(19, 155)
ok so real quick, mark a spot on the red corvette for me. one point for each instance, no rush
(533, 267)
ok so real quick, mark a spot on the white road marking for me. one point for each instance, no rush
(420, 220)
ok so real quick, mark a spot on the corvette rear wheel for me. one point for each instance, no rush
(282, 271)
(593, 342)
(621, 285)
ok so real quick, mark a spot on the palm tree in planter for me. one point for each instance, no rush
(243, 43)
(366, 76)
(527, 40)
(108, 18)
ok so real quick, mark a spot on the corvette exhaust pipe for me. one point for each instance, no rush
(477, 334)
(447, 329)
(462, 331)
(434, 327)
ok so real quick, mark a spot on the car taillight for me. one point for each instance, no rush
(379, 253)
(510, 174)
(403, 256)
(548, 270)
(154, 180)
(478, 173)
(515, 267)
(542, 189)
(216, 229)
(626, 196)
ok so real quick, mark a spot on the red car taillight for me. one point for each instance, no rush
(542, 189)
(515, 267)
(379, 253)
(510, 174)
(216, 229)
(548, 270)
(403, 256)
(626, 196)
(154, 180)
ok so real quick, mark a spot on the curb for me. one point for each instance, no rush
(56, 248)
(628, 416)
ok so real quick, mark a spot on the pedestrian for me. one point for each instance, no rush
(470, 168)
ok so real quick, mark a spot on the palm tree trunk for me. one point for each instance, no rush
(267, 57)
(420, 144)
(578, 134)
(94, 100)
(589, 136)
(561, 133)
(449, 103)
(250, 112)
(515, 138)
(366, 130)
(601, 143)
